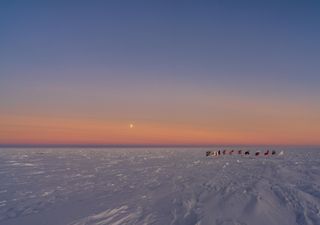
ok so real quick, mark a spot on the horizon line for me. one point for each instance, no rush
(149, 145)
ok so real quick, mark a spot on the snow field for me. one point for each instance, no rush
(83, 186)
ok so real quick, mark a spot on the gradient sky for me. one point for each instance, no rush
(182, 72)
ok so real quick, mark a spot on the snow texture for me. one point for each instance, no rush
(162, 186)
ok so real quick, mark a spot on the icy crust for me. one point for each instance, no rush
(157, 186)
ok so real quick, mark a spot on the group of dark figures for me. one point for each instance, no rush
(239, 152)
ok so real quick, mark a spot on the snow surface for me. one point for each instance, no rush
(83, 186)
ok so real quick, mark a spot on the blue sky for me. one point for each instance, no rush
(56, 55)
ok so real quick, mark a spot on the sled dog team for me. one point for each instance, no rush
(239, 152)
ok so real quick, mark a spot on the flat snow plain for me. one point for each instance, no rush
(163, 186)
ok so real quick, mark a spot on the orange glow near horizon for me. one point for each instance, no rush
(43, 131)
(177, 116)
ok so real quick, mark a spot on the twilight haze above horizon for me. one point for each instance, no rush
(160, 72)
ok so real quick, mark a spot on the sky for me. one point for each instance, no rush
(160, 72)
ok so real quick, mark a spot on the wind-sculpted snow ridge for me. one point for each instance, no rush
(173, 186)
